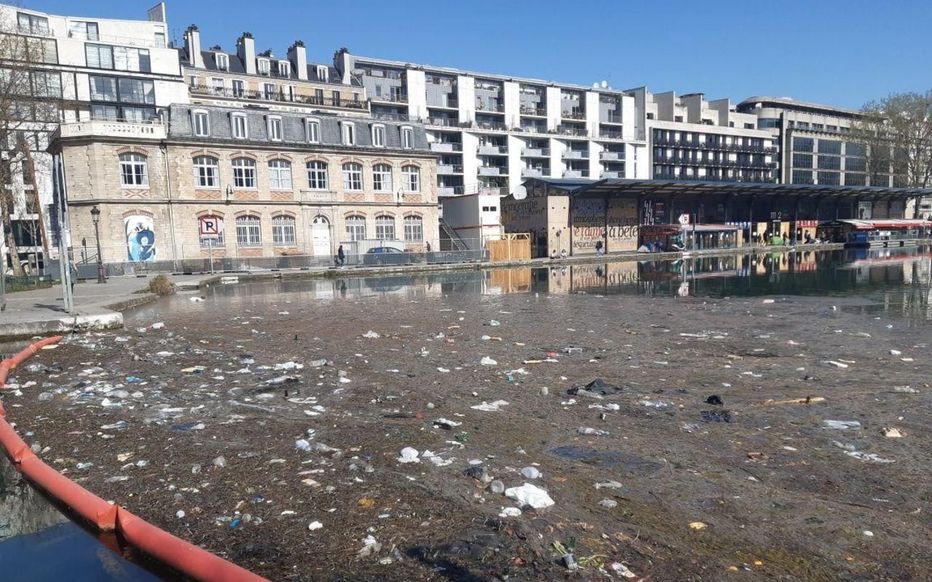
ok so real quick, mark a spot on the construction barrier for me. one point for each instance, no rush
(174, 552)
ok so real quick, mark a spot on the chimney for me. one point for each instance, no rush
(192, 46)
(246, 50)
(297, 54)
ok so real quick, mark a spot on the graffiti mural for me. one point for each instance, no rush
(588, 222)
(622, 225)
(140, 238)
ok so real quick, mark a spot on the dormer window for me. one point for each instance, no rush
(284, 69)
(264, 66)
(223, 61)
(378, 136)
(323, 73)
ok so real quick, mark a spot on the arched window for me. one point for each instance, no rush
(411, 176)
(248, 232)
(356, 227)
(206, 172)
(133, 171)
(382, 178)
(283, 231)
(352, 176)
(279, 175)
(317, 176)
(244, 173)
(385, 227)
(414, 229)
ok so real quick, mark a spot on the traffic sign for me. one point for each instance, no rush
(209, 227)
(684, 219)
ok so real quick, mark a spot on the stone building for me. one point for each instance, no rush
(265, 184)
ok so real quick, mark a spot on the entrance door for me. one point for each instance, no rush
(320, 236)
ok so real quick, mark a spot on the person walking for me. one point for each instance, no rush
(341, 256)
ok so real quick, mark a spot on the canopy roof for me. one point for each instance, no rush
(614, 187)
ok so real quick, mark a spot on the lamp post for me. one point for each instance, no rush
(95, 216)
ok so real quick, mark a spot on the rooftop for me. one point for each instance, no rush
(790, 103)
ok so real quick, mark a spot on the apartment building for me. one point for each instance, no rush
(247, 78)
(493, 131)
(236, 183)
(88, 68)
(691, 138)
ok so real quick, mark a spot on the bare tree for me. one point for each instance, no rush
(897, 135)
(30, 106)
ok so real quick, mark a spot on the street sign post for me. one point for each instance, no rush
(209, 230)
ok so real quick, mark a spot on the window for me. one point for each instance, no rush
(323, 74)
(248, 232)
(223, 61)
(829, 163)
(279, 174)
(201, 123)
(830, 178)
(378, 136)
(414, 229)
(99, 56)
(283, 231)
(239, 88)
(828, 146)
(284, 68)
(802, 160)
(854, 149)
(83, 30)
(855, 164)
(317, 175)
(32, 24)
(352, 176)
(159, 40)
(275, 128)
(240, 128)
(207, 224)
(206, 172)
(137, 91)
(244, 173)
(802, 144)
(855, 179)
(382, 178)
(802, 177)
(218, 85)
(356, 227)
(349, 133)
(312, 130)
(193, 81)
(103, 89)
(407, 138)
(264, 66)
(46, 84)
(385, 227)
(411, 178)
(133, 172)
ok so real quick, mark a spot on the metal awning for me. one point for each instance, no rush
(617, 187)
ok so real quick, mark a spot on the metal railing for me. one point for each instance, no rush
(279, 96)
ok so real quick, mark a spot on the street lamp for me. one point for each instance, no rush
(95, 216)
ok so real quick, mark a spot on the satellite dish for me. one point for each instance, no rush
(595, 85)
(604, 84)
(520, 193)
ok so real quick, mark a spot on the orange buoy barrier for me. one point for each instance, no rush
(183, 556)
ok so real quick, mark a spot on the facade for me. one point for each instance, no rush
(245, 78)
(89, 68)
(473, 218)
(493, 131)
(691, 138)
(237, 184)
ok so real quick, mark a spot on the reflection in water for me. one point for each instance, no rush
(896, 281)
(37, 542)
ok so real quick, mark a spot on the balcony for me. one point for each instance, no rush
(575, 114)
(536, 152)
(610, 134)
(492, 125)
(449, 104)
(569, 130)
(610, 118)
(611, 156)
(576, 173)
(392, 98)
(532, 110)
(446, 147)
(121, 129)
(575, 155)
(531, 172)
(279, 96)
(443, 121)
(317, 196)
(446, 191)
(610, 175)
(490, 107)
(539, 128)
(492, 171)
(449, 169)
(492, 150)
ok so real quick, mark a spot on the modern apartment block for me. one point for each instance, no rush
(815, 147)
(247, 78)
(694, 139)
(493, 131)
(88, 68)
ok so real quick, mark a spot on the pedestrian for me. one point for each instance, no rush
(341, 256)
(427, 244)
(74, 275)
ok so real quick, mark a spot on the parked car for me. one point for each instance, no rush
(386, 256)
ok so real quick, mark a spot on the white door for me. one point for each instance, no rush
(320, 236)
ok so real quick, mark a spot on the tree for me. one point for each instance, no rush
(896, 133)
(30, 106)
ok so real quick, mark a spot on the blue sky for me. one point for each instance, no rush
(841, 52)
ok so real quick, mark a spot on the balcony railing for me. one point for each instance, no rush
(446, 191)
(574, 114)
(113, 128)
(443, 121)
(446, 147)
(529, 110)
(448, 169)
(490, 108)
(491, 150)
(568, 130)
(397, 98)
(606, 134)
(532, 172)
(277, 96)
(491, 125)
(610, 155)
(492, 171)
(575, 155)
(610, 118)
(576, 174)
(536, 152)
(610, 175)
(450, 104)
